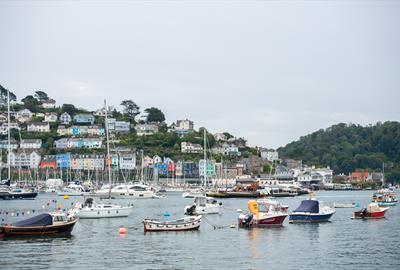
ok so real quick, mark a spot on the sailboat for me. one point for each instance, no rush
(104, 210)
(6, 192)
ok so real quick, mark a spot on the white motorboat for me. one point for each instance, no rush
(193, 193)
(72, 190)
(101, 210)
(183, 224)
(203, 205)
(134, 191)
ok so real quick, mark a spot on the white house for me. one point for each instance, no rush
(187, 147)
(157, 159)
(269, 154)
(24, 115)
(146, 129)
(38, 127)
(127, 161)
(3, 118)
(31, 143)
(65, 118)
(50, 117)
(27, 158)
(49, 104)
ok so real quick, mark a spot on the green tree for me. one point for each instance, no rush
(3, 95)
(31, 103)
(69, 108)
(155, 115)
(130, 109)
(41, 96)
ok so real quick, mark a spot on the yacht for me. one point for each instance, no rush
(73, 190)
(134, 191)
(7, 193)
(100, 210)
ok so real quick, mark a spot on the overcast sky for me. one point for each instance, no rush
(270, 71)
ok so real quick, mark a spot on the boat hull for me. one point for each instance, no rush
(18, 196)
(155, 226)
(236, 195)
(370, 215)
(133, 195)
(104, 213)
(50, 230)
(309, 218)
(270, 221)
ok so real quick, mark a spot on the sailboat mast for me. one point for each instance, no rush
(205, 159)
(108, 149)
(9, 136)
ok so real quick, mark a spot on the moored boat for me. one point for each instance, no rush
(6, 193)
(385, 198)
(203, 205)
(310, 211)
(55, 224)
(263, 213)
(344, 205)
(183, 224)
(373, 211)
(102, 210)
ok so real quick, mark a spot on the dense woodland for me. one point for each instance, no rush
(347, 147)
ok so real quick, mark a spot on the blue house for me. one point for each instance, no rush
(63, 161)
(84, 119)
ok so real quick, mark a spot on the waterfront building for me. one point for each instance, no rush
(65, 118)
(187, 147)
(127, 161)
(210, 167)
(63, 161)
(61, 143)
(38, 127)
(31, 143)
(48, 162)
(25, 158)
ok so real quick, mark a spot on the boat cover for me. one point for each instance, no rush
(311, 206)
(39, 220)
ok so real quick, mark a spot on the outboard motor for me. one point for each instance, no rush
(190, 211)
(363, 212)
(247, 220)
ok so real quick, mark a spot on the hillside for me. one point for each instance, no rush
(346, 147)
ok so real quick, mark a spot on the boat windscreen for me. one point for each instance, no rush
(310, 206)
(39, 220)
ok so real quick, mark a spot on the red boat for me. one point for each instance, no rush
(263, 213)
(373, 211)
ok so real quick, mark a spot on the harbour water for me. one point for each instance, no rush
(342, 243)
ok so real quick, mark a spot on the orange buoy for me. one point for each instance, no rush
(122, 230)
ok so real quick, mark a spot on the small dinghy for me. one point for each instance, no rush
(55, 224)
(183, 224)
(373, 211)
(344, 205)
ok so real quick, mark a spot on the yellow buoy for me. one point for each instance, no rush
(66, 197)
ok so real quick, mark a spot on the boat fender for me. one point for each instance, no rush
(220, 203)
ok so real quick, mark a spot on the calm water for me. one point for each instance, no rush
(342, 243)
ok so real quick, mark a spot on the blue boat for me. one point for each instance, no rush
(310, 211)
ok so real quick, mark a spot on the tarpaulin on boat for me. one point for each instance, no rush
(39, 220)
(310, 206)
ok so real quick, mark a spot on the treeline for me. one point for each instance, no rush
(347, 147)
